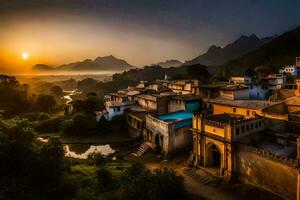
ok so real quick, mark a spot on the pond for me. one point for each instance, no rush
(83, 150)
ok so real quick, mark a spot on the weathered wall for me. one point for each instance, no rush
(220, 109)
(183, 138)
(175, 105)
(262, 172)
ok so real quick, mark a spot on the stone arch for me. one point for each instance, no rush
(213, 155)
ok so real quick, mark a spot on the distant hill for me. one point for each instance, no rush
(277, 53)
(42, 68)
(154, 72)
(106, 63)
(170, 63)
(216, 56)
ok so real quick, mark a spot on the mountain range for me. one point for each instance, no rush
(105, 63)
(279, 52)
(170, 63)
(216, 56)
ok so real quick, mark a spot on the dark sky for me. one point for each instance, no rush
(140, 31)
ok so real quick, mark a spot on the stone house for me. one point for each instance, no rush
(168, 133)
(234, 147)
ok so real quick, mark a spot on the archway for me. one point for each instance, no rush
(157, 142)
(213, 156)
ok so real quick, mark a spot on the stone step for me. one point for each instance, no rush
(202, 177)
(143, 148)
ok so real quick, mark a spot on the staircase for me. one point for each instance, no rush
(202, 177)
(142, 149)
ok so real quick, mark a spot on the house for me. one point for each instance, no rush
(136, 120)
(230, 145)
(215, 136)
(183, 86)
(116, 103)
(167, 133)
(154, 102)
(211, 90)
(116, 108)
(247, 108)
(235, 92)
(240, 80)
(188, 102)
(292, 70)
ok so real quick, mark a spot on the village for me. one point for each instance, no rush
(246, 129)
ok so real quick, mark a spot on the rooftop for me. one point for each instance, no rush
(187, 97)
(225, 118)
(252, 104)
(175, 116)
(213, 85)
(118, 104)
(234, 87)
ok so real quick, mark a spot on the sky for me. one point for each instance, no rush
(142, 32)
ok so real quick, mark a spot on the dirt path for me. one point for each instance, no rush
(196, 189)
(225, 191)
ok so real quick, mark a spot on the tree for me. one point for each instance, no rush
(56, 91)
(46, 102)
(198, 72)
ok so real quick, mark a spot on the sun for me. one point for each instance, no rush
(25, 56)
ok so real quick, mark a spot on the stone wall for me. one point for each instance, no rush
(266, 170)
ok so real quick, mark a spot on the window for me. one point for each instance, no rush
(247, 127)
(118, 109)
(248, 112)
(253, 113)
(234, 110)
(243, 129)
(237, 130)
(256, 125)
(252, 126)
(259, 124)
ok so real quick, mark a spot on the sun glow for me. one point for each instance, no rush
(25, 56)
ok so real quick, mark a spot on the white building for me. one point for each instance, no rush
(235, 92)
(293, 70)
(115, 108)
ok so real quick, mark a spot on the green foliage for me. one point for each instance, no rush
(87, 106)
(28, 167)
(198, 72)
(51, 125)
(98, 159)
(140, 183)
(104, 180)
(56, 91)
(80, 124)
(46, 102)
(13, 99)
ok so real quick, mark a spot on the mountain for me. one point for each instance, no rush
(42, 68)
(216, 56)
(170, 63)
(279, 52)
(106, 63)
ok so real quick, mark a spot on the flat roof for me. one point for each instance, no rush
(213, 85)
(252, 104)
(175, 116)
(225, 118)
(118, 104)
(186, 97)
(234, 87)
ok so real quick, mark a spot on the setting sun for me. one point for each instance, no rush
(25, 55)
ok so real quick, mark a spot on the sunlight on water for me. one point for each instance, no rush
(103, 149)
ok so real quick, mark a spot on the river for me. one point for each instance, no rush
(69, 95)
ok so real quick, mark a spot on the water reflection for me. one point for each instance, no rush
(82, 151)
